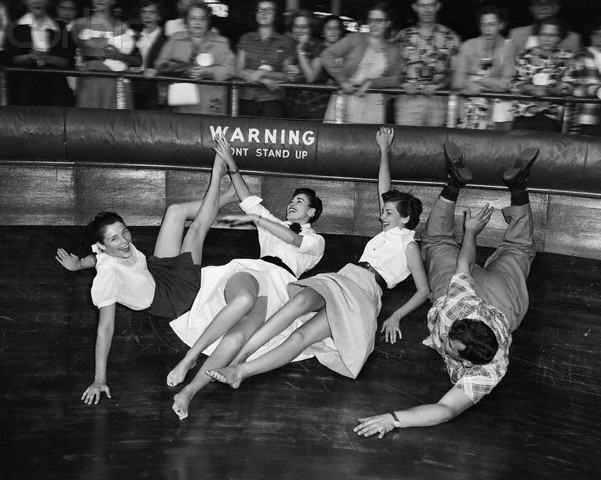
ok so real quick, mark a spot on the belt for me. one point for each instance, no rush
(379, 280)
(279, 262)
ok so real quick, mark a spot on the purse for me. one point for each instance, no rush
(180, 94)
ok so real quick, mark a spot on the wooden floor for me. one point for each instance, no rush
(542, 421)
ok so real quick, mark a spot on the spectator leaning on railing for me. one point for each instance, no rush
(484, 64)
(4, 21)
(198, 53)
(361, 61)
(584, 77)
(426, 52)
(263, 57)
(37, 41)
(539, 72)
(108, 45)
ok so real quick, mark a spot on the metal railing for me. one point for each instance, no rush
(123, 85)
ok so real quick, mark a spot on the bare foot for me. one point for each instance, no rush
(230, 375)
(181, 401)
(177, 375)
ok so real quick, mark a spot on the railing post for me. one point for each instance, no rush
(566, 119)
(123, 93)
(452, 102)
(3, 89)
(235, 101)
(339, 107)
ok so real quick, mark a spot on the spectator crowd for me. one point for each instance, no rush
(544, 59)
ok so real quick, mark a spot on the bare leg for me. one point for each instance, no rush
(171, 234)
(308, 300)
(231, 344)
(241, 292)
(313, 331)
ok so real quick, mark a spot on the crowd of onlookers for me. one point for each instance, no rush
(544, 59)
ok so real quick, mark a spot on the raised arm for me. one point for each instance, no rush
(223, 149)
(384, 139)
(473, 226)
(104, 338)
(72, 262)
(448, 407)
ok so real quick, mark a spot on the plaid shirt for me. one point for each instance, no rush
(528, 64)
(461, 301)
(584, 77)
(427, 61)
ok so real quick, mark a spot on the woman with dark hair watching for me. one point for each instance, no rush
(361, 61)
(37, 41)
(539, 72)
(484, 64)
(312, 104)
(198, 53)
(262, 58)
(236, 298)
(342, 332)
(163, 285)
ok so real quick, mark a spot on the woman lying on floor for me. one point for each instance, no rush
(342, 332)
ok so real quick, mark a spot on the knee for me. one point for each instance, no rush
(299, 337)
(235, 340)
(175, 211)
(244, 300)
(304, 300)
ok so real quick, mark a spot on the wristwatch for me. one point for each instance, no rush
(395, 420)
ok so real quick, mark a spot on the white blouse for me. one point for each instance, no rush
(299, 259)
(386, 252)
(124, 281)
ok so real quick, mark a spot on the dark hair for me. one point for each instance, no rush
(555, 22)
(202, 6)
(302, 14)
(406, 204)
(593, 26)
(148, 3)
(99, 224)
(314, 201)
(480, 342)
(337, 19)
(380, 7)
(499, 12)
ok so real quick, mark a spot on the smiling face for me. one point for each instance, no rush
(391, 218)
(116, 241)
(265, 14)
(301, 28)
(150, 16)
(298, 210)
(378, 23)
(37, 7)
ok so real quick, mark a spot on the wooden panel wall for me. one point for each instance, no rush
(67, 195)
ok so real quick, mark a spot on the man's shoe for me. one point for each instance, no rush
(516, 176)
(453, 157)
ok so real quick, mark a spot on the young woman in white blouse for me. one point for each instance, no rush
(235, 299)
(342, 332)
(163, 285)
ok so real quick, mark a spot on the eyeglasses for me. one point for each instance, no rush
(376, 21)
(265, 10)
(301, 27)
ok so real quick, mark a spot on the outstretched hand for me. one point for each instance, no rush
(68, 260)
(222, 147)
(475, 224)
(235, 220)
(378, 424)
(384, 138)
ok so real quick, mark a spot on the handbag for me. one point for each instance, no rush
(180, 94)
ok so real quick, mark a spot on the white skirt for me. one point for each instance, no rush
(273, 282)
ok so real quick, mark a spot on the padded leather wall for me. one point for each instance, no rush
(292, 147)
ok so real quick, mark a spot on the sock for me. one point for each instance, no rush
(451, 192)
(519, 196)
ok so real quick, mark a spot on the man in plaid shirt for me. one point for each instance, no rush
(584, 77)
(475, 309)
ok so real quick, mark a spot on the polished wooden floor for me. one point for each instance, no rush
(543, 421)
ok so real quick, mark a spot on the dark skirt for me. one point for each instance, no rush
(177, 284)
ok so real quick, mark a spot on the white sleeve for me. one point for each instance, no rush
(106, 287)
(252, 206)
(312, 244)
